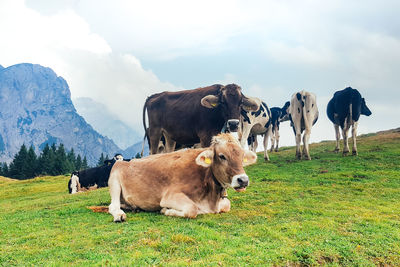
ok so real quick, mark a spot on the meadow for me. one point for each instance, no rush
(332, 210)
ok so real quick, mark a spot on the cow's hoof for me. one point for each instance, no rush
(345, 153)
(336, 150)
(276, 150)
(266, 159)
(163, 210)
(355, 153)
(120, 218)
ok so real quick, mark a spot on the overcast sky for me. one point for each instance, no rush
(119, 52)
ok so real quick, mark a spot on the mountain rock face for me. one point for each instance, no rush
(131, 151)
(36, 108)
(106, 123)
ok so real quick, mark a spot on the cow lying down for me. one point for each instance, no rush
(184, 183)
(92, 178)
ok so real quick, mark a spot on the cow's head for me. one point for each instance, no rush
(118, 157)
(285, 112)
(226, 158)
(364, 109)
(230, 100)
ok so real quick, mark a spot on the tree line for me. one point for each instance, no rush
(52, 160)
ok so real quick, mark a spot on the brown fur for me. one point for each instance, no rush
(164, 180)
(184, 118)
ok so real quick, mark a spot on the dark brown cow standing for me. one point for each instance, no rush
(184, 183)
(193, 116)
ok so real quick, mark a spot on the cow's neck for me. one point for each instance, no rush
(215, 187)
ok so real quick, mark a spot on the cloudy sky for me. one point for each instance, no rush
(119, 52)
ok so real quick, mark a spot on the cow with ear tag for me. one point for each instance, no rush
(184, 183)
(193, 116)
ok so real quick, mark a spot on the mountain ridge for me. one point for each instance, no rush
(36, 108)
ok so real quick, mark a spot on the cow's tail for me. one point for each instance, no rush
(303, 99)
(146, 134)
(99, 208)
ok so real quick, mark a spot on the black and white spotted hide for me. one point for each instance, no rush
(255, 123)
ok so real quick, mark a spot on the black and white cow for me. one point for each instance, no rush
(253, 123)
(116, 157)
(278, 115)
(344, 110)
(303, 114)
(92, 178)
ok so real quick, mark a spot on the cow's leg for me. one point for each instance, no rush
(224, 205)
(345, 132)
(277, 136)
(178, 204)
(354, 135)
(306, 139)
(266, 137)
(298, 141)
(255, 144)
(115, 191)
(154, 136)
(337, 131)
(272, 141)
(169, 144)
(244, 135)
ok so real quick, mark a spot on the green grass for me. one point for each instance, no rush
(332, 210)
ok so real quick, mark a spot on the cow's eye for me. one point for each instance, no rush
(222, 157)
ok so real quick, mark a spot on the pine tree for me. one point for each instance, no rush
(60, 161)
(78, 163)
(71, 160)
(17, 166)
(31, 163)
(101, 160)
(46, 161)
(84, 164)
(4, 169)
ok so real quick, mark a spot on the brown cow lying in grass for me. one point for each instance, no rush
(183, 183)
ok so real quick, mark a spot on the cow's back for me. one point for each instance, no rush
(338, 108)
(181, 113)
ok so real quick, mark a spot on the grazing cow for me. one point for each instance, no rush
(184, 183)
(344, 110)
(303, 114)
(255, 123)
(278, 115)
(92, 178)
(193, 116)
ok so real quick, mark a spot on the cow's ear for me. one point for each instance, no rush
(249, 158)
(210, 101)
(249, 104)
(205, 158)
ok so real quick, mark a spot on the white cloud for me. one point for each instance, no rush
(65, 43)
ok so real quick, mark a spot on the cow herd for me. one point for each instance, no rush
(216, 123)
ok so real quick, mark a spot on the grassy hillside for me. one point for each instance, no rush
(332, 210)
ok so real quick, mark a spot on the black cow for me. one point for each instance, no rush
(193, 116)
(278, 115)
(344, 110)
(92, 178)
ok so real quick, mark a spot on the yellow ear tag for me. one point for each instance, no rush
(213, 104)
(207, 160)
(245, 160)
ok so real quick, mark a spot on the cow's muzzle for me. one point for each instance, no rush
(240, 182)
(233, 125)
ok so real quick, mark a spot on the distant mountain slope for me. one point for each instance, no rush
(131, 151)
(36, 108)
(105, 122)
